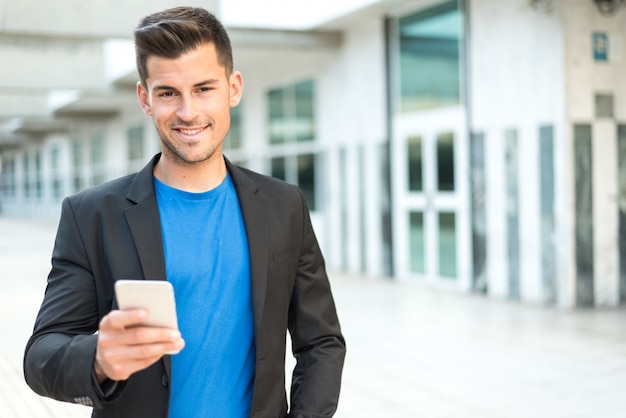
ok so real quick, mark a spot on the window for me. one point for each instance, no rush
(583, 178)
(304, 129)
(135, 148)
(278, 168)
(417, 255)
(134, 137)
(445, 162)
(27, 175)
(97, 159)
(291, 124)
(77, 165)
(234, 139)
(621, 181)
(447, 244)
(306, 177)
(604, 105)
(55, 164)
(429, 43)
(38, 176)
(415, 164)
(300, 170)
(291, 113)
(7, 176)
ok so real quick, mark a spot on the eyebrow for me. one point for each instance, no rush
(200, 84)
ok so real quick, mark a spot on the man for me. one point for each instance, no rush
(237, 246)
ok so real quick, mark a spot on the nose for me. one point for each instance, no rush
(187, 108)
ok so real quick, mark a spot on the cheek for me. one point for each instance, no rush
(160, 115)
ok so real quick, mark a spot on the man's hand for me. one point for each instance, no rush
(125, 348)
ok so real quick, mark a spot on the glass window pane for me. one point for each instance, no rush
(234, 138)
(604, 105)
(97, 159)
(621, 182)
(304, 105)
(277, 126)
(306, 178)
(26, 163)
(291, 113)
(417, 262)
(97, 149)
(445, 162)
(55, 156)
(38, 175)
(56, 184)
(278, 168)
(135, 143)
(415, 163)
(547, 225)
(583, 174)
(447, 244)
(77, 153)
(429, 57)
(7, 176)
(77, 164)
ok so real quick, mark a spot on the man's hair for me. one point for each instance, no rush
(173, 32)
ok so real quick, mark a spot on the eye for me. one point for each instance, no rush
(166, 94)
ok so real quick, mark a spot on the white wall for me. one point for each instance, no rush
(352, 115)
(516, 82)
(587, 77)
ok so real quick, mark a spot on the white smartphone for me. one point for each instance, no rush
(157, 296)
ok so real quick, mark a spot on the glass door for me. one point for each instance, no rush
(431, 202)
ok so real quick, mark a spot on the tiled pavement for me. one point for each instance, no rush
(412, 352)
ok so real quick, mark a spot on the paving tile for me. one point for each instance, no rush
(412, 351)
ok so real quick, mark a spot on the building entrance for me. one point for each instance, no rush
(431, 209)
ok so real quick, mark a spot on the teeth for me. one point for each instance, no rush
(190, 131)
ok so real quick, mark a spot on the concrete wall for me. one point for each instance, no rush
(527, 68)
(355, 122)
(350, 118)
(516, 82)
(587, 77)
(532, 67)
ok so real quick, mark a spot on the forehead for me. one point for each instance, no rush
(198, 63)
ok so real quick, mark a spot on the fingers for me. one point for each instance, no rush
(139, 335)
(124, 347)
(121, 361)
(118, 319)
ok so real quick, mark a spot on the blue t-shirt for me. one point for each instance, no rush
(207, 262)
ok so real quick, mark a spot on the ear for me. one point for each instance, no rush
(236, 88)
(144, 99)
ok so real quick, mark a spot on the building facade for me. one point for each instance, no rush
(470, 145)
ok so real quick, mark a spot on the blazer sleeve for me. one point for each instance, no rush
(317, 342)
(58, 359)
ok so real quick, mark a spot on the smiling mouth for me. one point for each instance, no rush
(191, 131)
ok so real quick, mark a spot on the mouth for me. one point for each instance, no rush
(190, 132)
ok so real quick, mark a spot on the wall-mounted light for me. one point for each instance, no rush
(608, 7)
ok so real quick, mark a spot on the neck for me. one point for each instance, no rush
(195, 177)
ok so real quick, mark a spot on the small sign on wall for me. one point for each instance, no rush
(600, 45)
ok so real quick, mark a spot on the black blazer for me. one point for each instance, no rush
(112, 231)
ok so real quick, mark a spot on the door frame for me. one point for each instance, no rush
(428, 125)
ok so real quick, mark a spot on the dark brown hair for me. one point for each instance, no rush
(173, 32)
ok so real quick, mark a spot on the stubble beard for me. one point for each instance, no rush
(178, 156)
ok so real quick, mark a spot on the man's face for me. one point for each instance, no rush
(189, 98)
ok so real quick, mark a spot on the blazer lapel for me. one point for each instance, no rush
(144, 223)
(255, 211)
(145, 226)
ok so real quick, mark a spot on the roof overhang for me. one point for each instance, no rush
(102, 105)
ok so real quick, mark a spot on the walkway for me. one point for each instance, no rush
(412, 352)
